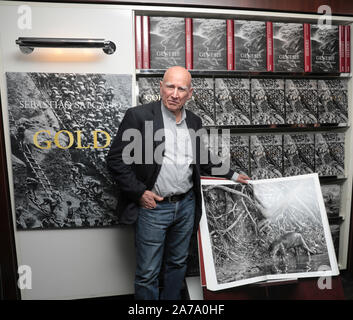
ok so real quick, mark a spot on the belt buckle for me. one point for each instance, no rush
(173, 199)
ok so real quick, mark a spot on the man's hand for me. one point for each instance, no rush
(148, 200)
(242, 178)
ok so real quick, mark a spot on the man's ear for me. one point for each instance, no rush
(190, 93)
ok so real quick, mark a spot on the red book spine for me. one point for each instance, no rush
(348, 49)
(138, 42)
(341, 48)
(269, 32)
(188, 44)
(145, 42)
(307, 48)
(230, 44)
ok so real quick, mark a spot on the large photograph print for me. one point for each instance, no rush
(265, 230)
(61, 126)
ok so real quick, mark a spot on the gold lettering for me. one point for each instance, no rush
(56, 139)
(95, 141)
(35, 139)
(79, 146)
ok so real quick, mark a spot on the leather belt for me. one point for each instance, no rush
(175, 198)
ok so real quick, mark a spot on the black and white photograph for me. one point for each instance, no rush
(299, 154)
(266, 156)
(232, 98)
(148, 89)
(288, 47)
(202, 100)
(333, 101)
(61, 125)
(332, 199)
(250, 46)
(324, 48)
(265, 230)
(209, 44)
(301, 101)
(267, 101)
(167, 42)
(329, 154)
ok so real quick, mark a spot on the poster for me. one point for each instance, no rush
(61, 126)
(265, 230)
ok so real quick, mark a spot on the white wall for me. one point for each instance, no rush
(75, 263)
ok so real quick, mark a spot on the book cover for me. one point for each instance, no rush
(333, 101)
(288, 47)
(329, 154)
(325, 48)
(148, 89)
(299, 154)
(301, 101)
(209, 44)
(332, 199)
(250, 45)
(167, 42)
(347, 55)
(266, 156)
(202, 101)
(232, 98)
(138, 42)
(267, 101)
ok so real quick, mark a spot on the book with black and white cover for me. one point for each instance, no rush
(232, 98)
(148, 89)
(267, 101)
(299, 154)
(209, 44)
(332, 199)
(325, 55)
(266, 156)
(202, 100)
(333, 101)
(329, 154)
(288, 47)
(301, 101)
(167, 42)
(250, 45)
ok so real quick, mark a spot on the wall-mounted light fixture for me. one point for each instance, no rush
(27, 44)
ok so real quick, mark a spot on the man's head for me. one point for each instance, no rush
(175, 88)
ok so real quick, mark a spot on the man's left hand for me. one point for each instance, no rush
(242, 178)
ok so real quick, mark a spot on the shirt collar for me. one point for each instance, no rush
(171, 115)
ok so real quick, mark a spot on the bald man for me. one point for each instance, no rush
(161, 195)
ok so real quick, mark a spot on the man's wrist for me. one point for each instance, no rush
(234, 177)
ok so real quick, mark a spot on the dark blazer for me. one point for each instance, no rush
(134, 179)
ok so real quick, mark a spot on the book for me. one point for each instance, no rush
(267, 101)
(138, 42)
(250, 45)
(325, 48)
(329, 154)
(332, 198)
(269, 45)
(347, 55)
(167, 42)
(209, 44)
(299, 154)
(333, 101)
(288, 47)
(145, 42)
(232, 99)
(148, 89)
(301, 101)
(202, 101)
(266, 156)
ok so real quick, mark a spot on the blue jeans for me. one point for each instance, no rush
(164, 231)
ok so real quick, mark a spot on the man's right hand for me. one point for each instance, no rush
(148, 200)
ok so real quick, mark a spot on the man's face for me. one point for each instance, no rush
(175, 89)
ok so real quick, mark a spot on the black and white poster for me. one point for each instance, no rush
(267, 101)
(266, 156)
(329, 154)
(250, 45)
(202, 100)
(265, 230)
(301, 101)
(333, 101)
(299, 154)
(288, 47)
(148, 89)
(232, 98)
(332, 199)
(167, 42)
(209, 44)
(61, 126)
